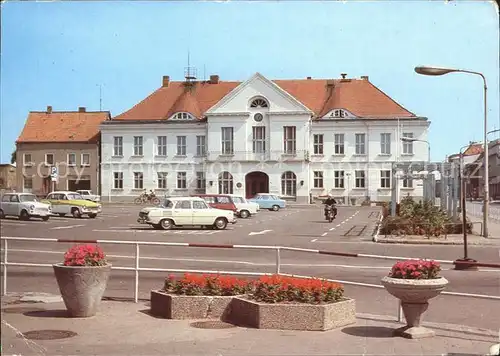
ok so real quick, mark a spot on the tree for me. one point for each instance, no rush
(13, 157)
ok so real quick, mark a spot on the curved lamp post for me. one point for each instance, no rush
(442, 71)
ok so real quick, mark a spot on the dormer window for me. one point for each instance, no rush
(182, 116)
(337, 114)
(259, 103)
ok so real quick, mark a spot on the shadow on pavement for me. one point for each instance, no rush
(369, 331)
(56, 313)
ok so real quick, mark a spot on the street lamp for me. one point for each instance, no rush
(442, 71)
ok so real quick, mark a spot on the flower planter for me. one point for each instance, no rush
(414, 295)
(494, 350)
(82, 287)
(173, 306)
(292, 316)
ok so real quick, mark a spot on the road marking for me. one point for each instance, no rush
(338, 225)
(65, 227)
(324, 234)
(331, 229)
(178, 232)
(259, 233)
(11, 223)
(314, 240)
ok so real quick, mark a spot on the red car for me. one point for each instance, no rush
(218, 201)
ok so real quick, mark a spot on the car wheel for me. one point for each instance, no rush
(220, 223)
(244, 214)
(275, 208)
(92, 216)
(76, 213)
(24, 215)
(62, 215)
(2, 214)
(138, 201)
(45, 218)
(166, 224)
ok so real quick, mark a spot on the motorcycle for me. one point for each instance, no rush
(330, 212)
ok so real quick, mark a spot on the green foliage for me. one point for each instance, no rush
(13, 157)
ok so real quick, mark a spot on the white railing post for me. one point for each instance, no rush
(278, 260)
(4, 290)
(400, 312)
(136, 291)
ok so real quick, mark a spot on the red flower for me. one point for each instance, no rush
(84, 255)
(415, 269)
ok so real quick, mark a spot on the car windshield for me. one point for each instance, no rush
(28, 197)
(84, 192)
(239, 200)
(74, 196)
(168, 204)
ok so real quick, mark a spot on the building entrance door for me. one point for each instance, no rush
(256, 182)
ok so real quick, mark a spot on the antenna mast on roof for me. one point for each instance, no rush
(100, 96)
(189, 72)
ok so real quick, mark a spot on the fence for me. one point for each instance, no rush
(277, 250)
(475, 209)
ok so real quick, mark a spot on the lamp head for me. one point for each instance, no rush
(434, 70)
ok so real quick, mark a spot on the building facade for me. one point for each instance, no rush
(293, 138)
(7, 177)
(65, 141)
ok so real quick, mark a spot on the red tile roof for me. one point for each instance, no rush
(62, 126)
(474, 149)
(358, 96)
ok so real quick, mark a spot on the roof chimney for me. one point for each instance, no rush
(49, 109)
(214, 79)
(364, 77)
(81, 109)
(330, 83)
(343, 75)
(166, 81)
(309, 78)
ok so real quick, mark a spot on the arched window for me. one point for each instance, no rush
(259, 103)
(182, 116)
(289, 184)
(225, 183)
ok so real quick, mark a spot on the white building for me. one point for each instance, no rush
(295, 138)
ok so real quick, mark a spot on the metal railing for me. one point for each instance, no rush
(278, 249)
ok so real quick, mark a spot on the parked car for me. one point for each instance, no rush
(65, 202)
(244, 209)
(24, 206)
(268, 201)
(219, 201)
(185, 211)
(87, 195)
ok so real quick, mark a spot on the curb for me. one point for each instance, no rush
(420, 242)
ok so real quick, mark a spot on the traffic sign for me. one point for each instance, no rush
(53, 171)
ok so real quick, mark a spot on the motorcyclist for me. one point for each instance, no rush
(332, 202)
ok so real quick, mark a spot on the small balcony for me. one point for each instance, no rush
(249, 156)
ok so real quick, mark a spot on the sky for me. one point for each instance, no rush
(64, 53)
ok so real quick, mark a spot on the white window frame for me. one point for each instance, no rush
(25, 161)
(227, 141)
(408, 145)
(182, 116)
(82, 161)
(360, 179)
(318, 144)
(339, 179)
(117, 180)
(360, 141)
(27, 187)
(290, 140)
(161, 146)
(318, 179)
(181, 146)
(162, 180)
(138, 180)
(118, 146)
(181, 180)
(408, 182)
(138, 146)
(201, 182)
(385, 179)
(68, 160)
(385, 143)
(46, 161)
(226, 183)
(258, 139)
(339, 142)
(201, 146)
(289, 184)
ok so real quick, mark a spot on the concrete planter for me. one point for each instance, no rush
(414, 295)
(494, 350)
(82, 288)
(285, 316)
(173, 306)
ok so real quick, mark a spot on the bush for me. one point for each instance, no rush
(280, 289)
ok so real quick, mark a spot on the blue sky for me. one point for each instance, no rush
(57, 53)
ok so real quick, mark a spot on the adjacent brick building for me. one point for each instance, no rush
(67, 140)
(7, 177)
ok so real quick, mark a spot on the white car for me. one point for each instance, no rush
(186, 211)
(244, 208)
(25, 206)
(87, 195)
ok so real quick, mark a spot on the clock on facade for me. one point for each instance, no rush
(258, 117)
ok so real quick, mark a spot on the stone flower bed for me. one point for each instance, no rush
(271, 302)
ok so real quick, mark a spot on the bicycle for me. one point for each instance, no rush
(147, 198)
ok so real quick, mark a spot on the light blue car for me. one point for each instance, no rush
(268, 201)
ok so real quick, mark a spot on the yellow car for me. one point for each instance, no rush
(64, 202)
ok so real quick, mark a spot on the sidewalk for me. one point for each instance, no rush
(455, 239)
(124, 328)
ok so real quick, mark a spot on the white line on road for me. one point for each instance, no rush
(324, 234)
(314, 240)
(331, 229)
(65, 227)
(338, 225)
(12, 223)
(179, 232)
